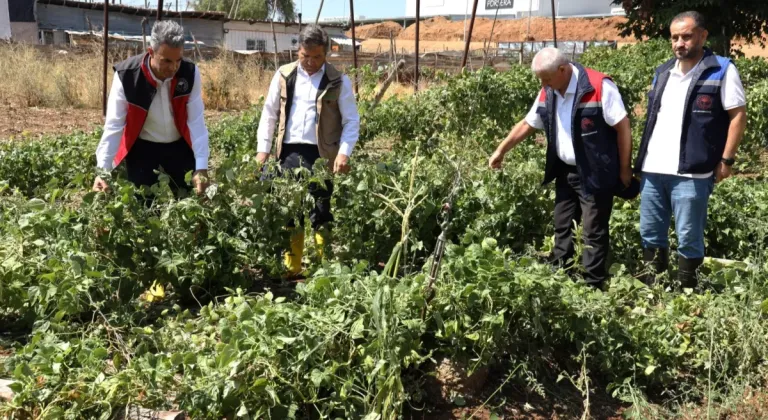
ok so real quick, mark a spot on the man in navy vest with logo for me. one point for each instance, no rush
(696, 120)
(589, 149)
(155, 116)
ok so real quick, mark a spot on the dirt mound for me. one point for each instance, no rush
(377, 30)
(570, 29)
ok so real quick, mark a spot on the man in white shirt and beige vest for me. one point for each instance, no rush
(314, 109)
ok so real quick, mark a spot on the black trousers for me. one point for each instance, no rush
(572, 205)
(294, 156)
(145, 157)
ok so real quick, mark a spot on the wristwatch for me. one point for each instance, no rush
(728, 161)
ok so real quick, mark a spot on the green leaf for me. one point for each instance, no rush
(649, 370)
(99, 353)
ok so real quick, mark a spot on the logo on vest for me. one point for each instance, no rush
(587, 126)
(704, 104)
(182, 85)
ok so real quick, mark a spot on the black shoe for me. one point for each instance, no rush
(687, 273)
(658, 258)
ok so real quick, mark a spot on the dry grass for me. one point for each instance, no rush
(31, 77)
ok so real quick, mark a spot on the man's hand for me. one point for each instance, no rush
(341, 164)
(626, 176)
(262, 157)
(200, 181)
(722, 172)
(99, 185)
(496, 159)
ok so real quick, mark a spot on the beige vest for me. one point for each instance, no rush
(328, 121)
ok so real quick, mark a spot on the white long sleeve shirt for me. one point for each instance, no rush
(301, 124)
(159, 126)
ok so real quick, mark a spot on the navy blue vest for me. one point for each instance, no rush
(705, 121)
(594, 141)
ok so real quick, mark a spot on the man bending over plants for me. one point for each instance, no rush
(315, 112)
(155, 119)
(155, 116)
(589, 148)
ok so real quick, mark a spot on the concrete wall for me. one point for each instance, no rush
(24, 32)
(5, 20)
(51, 17)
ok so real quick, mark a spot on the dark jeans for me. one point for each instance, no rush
(145, 157)
(571, 204)
(294, 156)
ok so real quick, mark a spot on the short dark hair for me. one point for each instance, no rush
(698, 18)
(313, 36)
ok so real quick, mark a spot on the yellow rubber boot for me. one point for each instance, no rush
(322, 238)
(292, 258)
(155, 293)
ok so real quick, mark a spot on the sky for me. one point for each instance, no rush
(331, 8)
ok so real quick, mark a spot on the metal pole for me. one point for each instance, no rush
(418, 18)
(530, 12)
(159, 10)
(554, 24)
(106, 51)
(469, 36)
(299, 22)
(354, 39)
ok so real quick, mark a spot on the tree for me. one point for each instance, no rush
(726, 19)
(250, 9)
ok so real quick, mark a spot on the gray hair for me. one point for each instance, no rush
(166, 32)
(313, 36)
(548, 60)
(698, 19)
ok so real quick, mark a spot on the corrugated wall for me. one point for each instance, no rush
(210, 32)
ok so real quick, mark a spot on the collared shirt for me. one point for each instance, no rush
(159, 126)
(301, 126)
(613, 113)
(663, 156)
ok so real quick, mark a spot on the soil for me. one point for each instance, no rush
(377, 30)
(442, 29)
(31, 122)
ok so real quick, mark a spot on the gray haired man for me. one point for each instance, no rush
(588, 154)
(313, 107)
(155, 116)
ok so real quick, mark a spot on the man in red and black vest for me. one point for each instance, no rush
(155, 116)
(589, 147)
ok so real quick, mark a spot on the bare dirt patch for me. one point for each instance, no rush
(377, 30)
(32, 122)
(571, 29)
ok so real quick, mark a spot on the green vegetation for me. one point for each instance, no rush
(358, 338)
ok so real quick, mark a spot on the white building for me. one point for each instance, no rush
(257, 36)
(458, 9)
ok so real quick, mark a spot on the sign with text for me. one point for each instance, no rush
(499, 4)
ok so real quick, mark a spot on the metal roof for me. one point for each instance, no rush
(138, 11)
(343, 40)
(188, 14)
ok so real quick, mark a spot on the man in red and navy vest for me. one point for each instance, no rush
(155, 116)
(589, 148)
